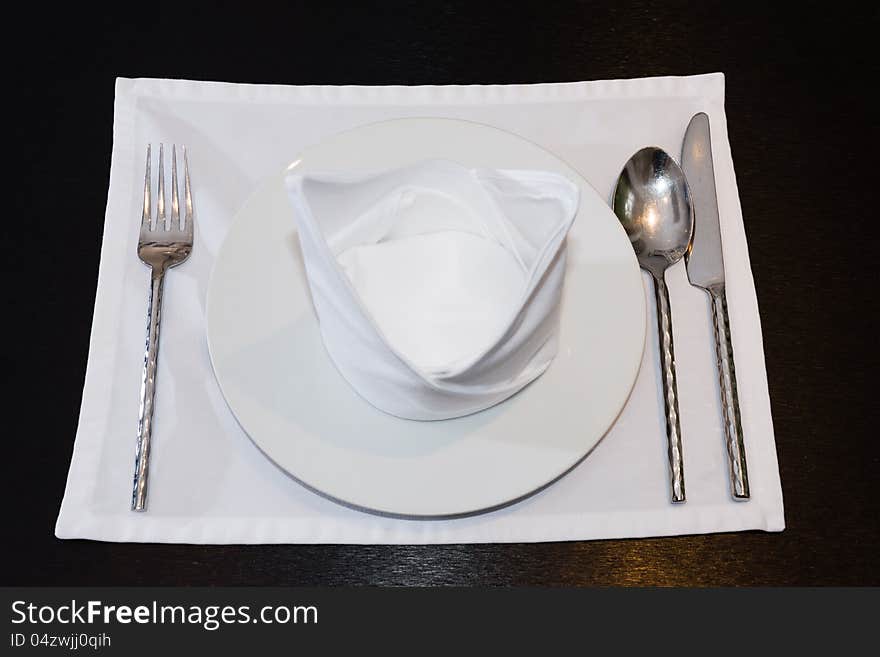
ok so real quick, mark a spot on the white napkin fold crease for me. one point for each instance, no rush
(215, 486)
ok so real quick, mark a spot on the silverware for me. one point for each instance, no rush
(705, 269)
(161, 245)
(652, 202)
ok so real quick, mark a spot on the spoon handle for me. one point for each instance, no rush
(733, 433)
(670, 389)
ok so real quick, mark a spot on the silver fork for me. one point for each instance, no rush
(161, 246)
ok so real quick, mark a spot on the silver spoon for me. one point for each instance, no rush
(653, 203)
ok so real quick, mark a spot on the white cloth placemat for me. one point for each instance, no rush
(210, 484)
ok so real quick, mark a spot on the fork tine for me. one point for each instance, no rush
(160, 201)
(187, 193)
(175, 204)
(145, 219)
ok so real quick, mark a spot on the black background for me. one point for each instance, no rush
(802, 125)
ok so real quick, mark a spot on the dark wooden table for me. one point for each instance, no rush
(804, 137)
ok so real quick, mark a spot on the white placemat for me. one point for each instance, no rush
(210, 484)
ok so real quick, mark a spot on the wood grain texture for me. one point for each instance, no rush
(802, 132)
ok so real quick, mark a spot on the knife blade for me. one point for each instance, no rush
(705, 262)
(705, 268)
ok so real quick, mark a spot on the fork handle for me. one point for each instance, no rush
(148, 388)
(733, 433)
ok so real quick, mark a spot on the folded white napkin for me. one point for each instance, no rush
(210, 484)
(437, 287)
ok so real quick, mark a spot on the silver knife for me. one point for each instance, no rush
(705, 269)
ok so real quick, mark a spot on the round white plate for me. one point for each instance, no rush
(271, 365)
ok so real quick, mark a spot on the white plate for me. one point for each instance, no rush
(286, 394)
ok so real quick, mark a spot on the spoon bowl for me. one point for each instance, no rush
(653, 204)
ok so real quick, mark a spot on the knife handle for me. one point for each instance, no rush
(670, 389)
(733, 433)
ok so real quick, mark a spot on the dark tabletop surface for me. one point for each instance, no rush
(802, 128)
